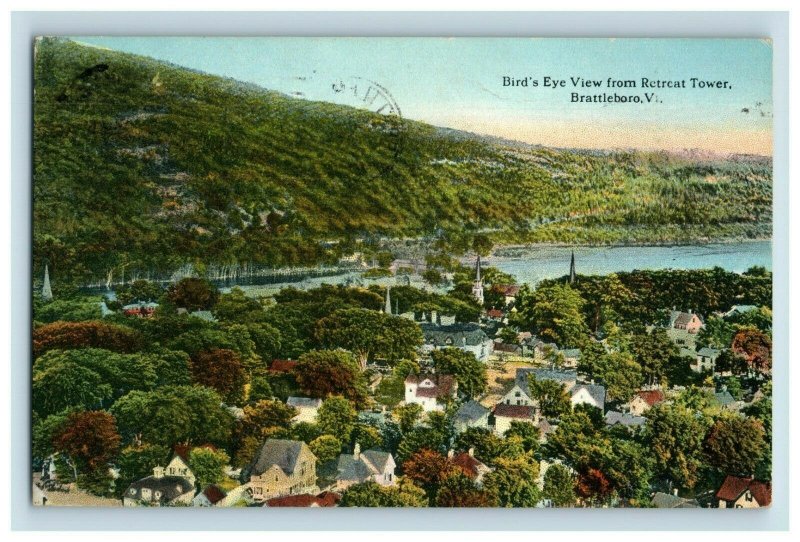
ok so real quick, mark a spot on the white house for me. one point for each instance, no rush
(505, 414)
(430, 391)
(706, 360)
(467, 337)
(159, 490)
(471, 414)
(306, 407)
(588, 394)
(738, 492)
(178, 467)
(210, 496)
(359, 467)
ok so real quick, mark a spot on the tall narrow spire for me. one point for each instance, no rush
(47, 292)
(477, 286)
(388, 307)
(572, 275)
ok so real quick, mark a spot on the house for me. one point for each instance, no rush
(500, 347)
(39, 496)
(667, 500)
(738, 492)
(282, 366)
(430, 391)
(519, 393)
(140, 310)
(738, 310)
(572, 357)
(705, 360)
(469, 337)
(472, 467)
(281, 467)
(210, 496)
(727, 401)
(495, 314)
(504, 414)
(326, 499)
(159, 490)
(588, 394)
(687, 321)
(470, 414)
(644, 400)
(567, 377)
(360, 467)
(626, 419)
(509, 291)
(179, 465)
(306, 408)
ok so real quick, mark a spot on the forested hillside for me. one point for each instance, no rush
(144, 166)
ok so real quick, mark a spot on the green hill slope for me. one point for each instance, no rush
(141, 165)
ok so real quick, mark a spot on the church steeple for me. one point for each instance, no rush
(477, 286)
(388, 306)
(47, 292)
(572, 275)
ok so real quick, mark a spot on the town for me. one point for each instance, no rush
(643, 389)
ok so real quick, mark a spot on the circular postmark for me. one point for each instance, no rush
(366, 94)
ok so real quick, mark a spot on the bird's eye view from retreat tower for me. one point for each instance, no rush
(401, 272)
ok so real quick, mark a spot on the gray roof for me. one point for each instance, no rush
(455, 335)
(624, 418)
(708, 352)
(471, 411)
(368, 463)
(283, 453)
(572, 353)
(306, 402)
(724, 397)
(665, 500)
(171, 487)
(740, 309)
(596, 391)
(562, 376)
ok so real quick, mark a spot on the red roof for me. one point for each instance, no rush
(324, 499)
(442, 385)
(282, 365)
(734, 486)
(213, 494)
(467, 463)
(651, 397)
(514, 411)
(507, 289)
(494, 313)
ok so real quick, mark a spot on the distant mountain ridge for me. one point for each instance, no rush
(143, 166)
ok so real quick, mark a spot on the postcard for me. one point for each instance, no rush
(402, 272)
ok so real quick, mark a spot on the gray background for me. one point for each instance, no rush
(26, 25)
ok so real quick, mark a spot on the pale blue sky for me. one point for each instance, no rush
(457, 82)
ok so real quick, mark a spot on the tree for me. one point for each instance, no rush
(337, 416)
(559, 486)
(193, 294)
(653, 352)
(486, 445)
(370, 494)
(527, 433)
(756, 348)
(208, 465)
(459, 491)
(675, 435)
(407, 416)
(716, 333)
(367, 436)
(235, 306)
(89, 439)
(222, 371)
(138, 291)
(514, 483)
(730, 361)
(464, 366)
(621, 375)
(137, 462)
(323, 373)
(428, 469)
(555, 312)
(67, 384)
(259, 389)
(264, 414)
(551, 395)
(735, 445)
(369, 334)
(69, 335)
(173, 415)
(326, 448)
(594, 487)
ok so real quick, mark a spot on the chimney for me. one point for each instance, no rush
(450, 454)
(675, 491)
(471, 452)
(357, 451)
(158, 472)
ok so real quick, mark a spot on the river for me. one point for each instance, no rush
(531, 264)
